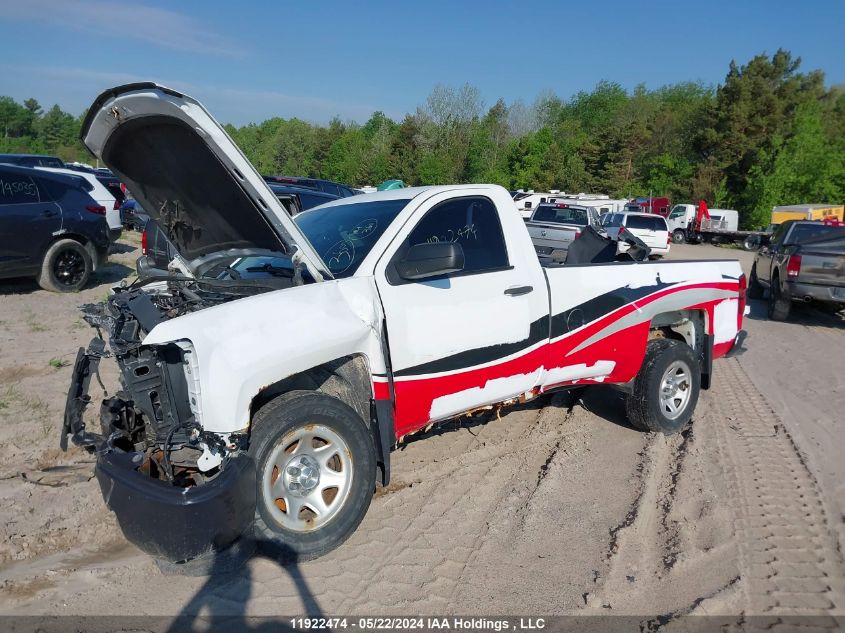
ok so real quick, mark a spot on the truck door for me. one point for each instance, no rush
(768, 253)
(471, 338)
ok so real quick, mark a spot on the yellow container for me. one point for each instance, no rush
(808, 212)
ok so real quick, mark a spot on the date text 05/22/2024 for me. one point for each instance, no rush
(429, 623)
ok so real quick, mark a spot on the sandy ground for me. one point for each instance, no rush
(557, 507)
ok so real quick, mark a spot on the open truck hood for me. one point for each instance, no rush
(187, 173)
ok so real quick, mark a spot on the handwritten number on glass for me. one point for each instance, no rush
(467, 232)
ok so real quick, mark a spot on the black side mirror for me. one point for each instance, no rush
(433, 259)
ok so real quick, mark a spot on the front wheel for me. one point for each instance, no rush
(66, 267)
(316, 466)
(678, 237)
(666, 388)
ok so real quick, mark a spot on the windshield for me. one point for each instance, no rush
(613, 219)
(566, 215)
(344, 234)
(802, 232)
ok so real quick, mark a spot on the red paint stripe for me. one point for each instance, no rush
(381, 390)
(626, 348)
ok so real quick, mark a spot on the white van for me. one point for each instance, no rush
(527, 201)
(649, 227)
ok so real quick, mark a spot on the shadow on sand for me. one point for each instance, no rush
(220, 604)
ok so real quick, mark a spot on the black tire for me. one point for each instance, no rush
(66, 267)
(273, 426)
(678, 237)
(751, 243)
(780, 304)
(645, 407)
(755, 290)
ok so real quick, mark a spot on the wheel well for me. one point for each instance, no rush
(75, 237)
(347, 379)
(690, 327)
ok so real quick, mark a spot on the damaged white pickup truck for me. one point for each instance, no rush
(261, 394)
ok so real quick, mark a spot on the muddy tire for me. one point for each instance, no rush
(679, 237)
(666, 388)
(780, 305)
(755, 290)
(66, 267)
(316, 468)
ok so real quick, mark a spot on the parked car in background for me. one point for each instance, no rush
(50, 228)
(101, 194)
(801, 261)
(132, 215)
(649, 227)
(554, 226)
(297, 199)
(32, 160)
(336, 189)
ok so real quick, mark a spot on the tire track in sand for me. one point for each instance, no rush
(789, 555)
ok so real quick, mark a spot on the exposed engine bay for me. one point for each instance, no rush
(155, 414)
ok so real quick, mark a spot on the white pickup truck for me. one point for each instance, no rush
(554, 226)
(262, 393)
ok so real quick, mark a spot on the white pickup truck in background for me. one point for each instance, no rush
(554, 226)
(263, 392)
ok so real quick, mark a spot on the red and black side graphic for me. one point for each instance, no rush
(613, 327)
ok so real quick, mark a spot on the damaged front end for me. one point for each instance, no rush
(178, 491)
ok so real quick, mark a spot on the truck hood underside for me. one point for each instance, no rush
(187, 173)
(201, 208)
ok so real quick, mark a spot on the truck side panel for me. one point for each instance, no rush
(601, 314)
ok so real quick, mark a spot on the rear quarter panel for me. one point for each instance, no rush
(601, 313)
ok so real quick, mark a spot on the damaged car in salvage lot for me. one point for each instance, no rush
(263, 390)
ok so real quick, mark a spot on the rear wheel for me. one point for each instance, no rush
(755, 290)
(316, 470)
(678, 237)
(66, 267)
(780, 304)
(666, 388)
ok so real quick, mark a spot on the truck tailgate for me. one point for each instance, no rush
(549, 237)
(823, 263)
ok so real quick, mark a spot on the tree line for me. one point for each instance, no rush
(769, 134)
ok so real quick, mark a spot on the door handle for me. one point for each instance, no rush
(48, 213)
(516, 291)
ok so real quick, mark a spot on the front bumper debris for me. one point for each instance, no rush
(168, 522)
(178, 524)
(84, 368)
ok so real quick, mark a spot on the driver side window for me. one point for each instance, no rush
(471, 222)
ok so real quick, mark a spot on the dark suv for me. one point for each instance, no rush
(32, 160)
(327, 186)
(50, 228)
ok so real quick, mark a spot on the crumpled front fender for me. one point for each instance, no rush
(245, 345)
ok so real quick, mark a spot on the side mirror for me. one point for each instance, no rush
(433, 259)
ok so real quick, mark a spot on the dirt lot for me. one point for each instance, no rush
(558, 507)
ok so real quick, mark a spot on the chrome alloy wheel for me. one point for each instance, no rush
(307, 478)
(675, 389)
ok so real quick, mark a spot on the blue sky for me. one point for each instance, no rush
(247, 61)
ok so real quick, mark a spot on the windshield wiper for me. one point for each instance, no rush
(278, 271)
